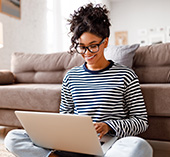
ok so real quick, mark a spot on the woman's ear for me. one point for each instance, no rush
(106, 42)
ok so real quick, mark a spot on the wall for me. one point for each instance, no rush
(29, 34)
(66, 10)
(41, 29)
(136, 15)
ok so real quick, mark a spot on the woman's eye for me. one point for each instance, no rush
(81, 47)
(93, 46)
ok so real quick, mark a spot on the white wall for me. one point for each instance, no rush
(66, 10)
(27, 34)
(135, 15)
(42, 28)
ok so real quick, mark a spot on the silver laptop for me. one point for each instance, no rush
(64, 132)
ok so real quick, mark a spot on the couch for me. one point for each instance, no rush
(152, 65)
(35, 85)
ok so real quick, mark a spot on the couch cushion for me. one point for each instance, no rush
(43, 68)
(152, 63)
(37, 97)
(6, 77)
(157, 74)
(157, 99)
(159, 129)
(157, 102)
(8, 118)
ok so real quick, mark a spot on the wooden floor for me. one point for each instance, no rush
(3, 131)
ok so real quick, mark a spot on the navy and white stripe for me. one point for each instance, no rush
(111, 95)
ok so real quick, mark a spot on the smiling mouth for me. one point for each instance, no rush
(91, 57)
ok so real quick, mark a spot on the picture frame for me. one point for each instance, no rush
(121, 38)
(143, 41)
(157, 38)
(168, 34)
(11, 8)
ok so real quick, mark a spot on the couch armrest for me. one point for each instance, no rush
(6, 77)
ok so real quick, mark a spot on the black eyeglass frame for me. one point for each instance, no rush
(87, 47)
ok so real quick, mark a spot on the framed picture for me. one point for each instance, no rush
(157, 38)
(11, 8)
(143, 41)
(121, 38)
(168, 34)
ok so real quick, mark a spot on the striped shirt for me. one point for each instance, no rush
(111, 95)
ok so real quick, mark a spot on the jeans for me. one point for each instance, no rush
(18, 142)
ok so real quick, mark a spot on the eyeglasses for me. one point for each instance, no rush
(92, 48)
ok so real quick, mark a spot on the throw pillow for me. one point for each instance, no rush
(6, 77)
(122, 54)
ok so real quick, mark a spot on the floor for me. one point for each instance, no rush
(3, 131)
(1, 134)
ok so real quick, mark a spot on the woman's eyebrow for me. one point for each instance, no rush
(88, 43)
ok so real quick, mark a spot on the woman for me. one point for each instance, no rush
(106, 91)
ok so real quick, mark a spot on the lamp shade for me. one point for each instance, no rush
(1, 35)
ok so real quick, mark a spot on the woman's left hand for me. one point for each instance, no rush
(102, 129)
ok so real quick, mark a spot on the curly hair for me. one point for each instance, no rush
(89, 18)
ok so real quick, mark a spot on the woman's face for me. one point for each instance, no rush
(97, 58)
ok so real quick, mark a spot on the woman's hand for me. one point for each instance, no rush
(102, 129)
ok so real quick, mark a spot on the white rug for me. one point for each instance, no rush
(4, 152)
(3, 132)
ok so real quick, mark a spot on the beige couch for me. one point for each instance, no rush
(152, 65)
(38, 79)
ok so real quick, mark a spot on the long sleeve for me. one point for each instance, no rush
(67, 104)
(136, 120)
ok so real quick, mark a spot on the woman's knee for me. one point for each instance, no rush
(13, 138)
(136, 146)
(131, 146)
(19, 143)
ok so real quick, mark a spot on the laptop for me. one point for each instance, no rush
(64, 132)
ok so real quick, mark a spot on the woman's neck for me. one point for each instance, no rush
(99, 66)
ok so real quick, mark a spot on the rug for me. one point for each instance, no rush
(4, 152)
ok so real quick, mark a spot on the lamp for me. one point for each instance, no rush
(1, 35)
